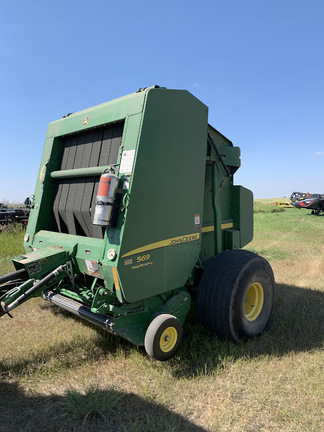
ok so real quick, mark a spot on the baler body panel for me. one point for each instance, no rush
(228, 209)
(161, 236)
(158, 235)
(70, 128)
(64, 203)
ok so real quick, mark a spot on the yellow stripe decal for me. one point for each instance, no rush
(164, 243)
(223, 227)
(227, 225)
(115, 276)
(207, 229)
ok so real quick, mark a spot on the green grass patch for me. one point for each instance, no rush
(272, 253)
(92, 404)
(11, 241)
(267, 208)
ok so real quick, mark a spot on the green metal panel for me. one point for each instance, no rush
(222, 219)
(41, 216)
(242, 205)
(41, 261)
(108, 112)
(161, 241)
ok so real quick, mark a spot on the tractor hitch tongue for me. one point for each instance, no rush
(35, 286)
(135, 214)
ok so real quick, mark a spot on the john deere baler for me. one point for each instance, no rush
(135, 213)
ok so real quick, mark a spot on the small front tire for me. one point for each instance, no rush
(163, 337)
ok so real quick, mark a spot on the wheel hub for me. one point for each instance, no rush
(168, 339)
(253, 301)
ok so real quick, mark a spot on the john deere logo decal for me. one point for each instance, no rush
(85, 121)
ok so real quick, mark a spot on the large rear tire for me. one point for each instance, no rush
(236, 295)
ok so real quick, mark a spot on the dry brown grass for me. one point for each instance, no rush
(272, 383)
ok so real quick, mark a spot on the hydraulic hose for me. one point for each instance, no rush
(10, 276)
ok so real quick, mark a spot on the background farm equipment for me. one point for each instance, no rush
(14, 215)
(283, 204)
(135, 216)
(313, 202)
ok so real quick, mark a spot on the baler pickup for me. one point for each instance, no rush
(135, 214)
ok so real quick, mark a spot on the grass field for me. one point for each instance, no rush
(58, 373)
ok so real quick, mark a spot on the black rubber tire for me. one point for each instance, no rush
(157, 347)
(222, 294)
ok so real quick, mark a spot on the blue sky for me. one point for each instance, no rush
(258, 65)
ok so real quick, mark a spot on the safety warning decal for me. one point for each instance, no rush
(197, 222)
(34, 267)
(93, 268)
(127, 160)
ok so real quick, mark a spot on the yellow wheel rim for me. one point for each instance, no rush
(168, 339)
(253, 301)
